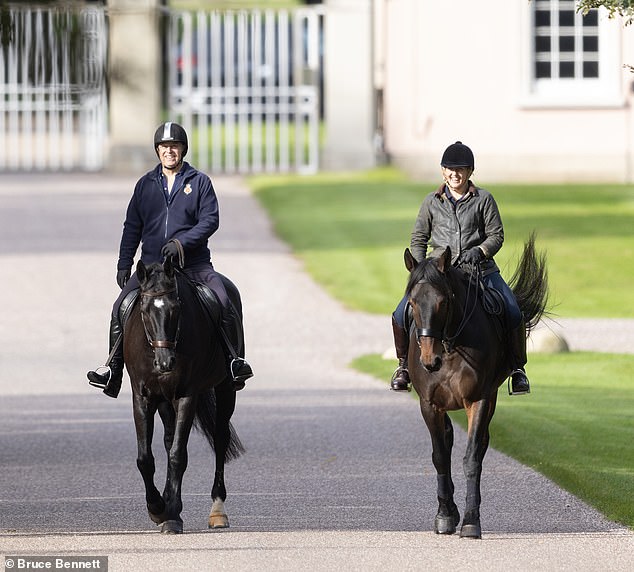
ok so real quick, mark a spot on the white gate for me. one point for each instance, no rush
(53, 104)
(246, 86)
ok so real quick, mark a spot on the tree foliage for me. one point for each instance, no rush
(623, 8)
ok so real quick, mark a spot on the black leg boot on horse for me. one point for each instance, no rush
(518, 384)
(400, 378)
(110, 380)
(233, 336)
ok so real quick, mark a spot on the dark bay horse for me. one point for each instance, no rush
(177, 367)
(457, 360)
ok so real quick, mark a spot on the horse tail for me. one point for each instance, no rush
(530, 284)
(205, 422)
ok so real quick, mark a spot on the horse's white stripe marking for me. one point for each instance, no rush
(158, 303)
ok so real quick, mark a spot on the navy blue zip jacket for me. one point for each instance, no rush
(189, 214)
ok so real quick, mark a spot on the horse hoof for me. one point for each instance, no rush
(172, 527)
(156, 518)
(218, 520)
(470, 531)
(444, 525)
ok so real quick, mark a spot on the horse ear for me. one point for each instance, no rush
(141, 272)
(444, 261)
(410, 261)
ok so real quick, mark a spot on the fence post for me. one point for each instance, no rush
(135, 96)
(349, 99)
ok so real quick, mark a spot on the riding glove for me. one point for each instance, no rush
(122, 277)
(473, 255)
(170, 249)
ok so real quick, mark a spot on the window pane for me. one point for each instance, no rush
(590, 69)
(590, 44)
(542, 44)
(567, 69)
(542, 70)
(567, 44)
(591, 18)
(542, 18)
(566, 18)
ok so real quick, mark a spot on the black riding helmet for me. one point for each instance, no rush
(458, 155)
(170, 132)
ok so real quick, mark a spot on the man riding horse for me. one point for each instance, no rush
(465, 218)
(172, 213)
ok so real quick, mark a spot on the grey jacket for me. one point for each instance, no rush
(474, 221)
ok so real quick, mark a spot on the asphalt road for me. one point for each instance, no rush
(337, 472)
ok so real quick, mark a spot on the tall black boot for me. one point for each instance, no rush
(234, 337)
(400, 378)
(519, 383)
(110, 381)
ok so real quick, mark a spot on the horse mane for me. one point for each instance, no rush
(427, 271)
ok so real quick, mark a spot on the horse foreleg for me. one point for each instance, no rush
(441, 432)
(144, 424)
(225, 406)
(478, 416)
(184, 408)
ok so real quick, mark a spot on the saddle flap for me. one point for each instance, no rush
(209, 302)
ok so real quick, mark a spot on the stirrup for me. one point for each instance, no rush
(239, 377)
(99, 383)
(510, 383)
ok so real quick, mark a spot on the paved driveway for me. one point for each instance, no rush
(337, 473)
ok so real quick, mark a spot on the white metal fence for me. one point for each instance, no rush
(53, 105)
(246, 86)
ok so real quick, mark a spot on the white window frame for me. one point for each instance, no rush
(604, 91)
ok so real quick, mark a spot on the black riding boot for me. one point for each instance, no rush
(110, 381)
(400, 379)
(519, 384)
(234, 334)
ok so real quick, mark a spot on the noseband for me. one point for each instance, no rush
(160, 343)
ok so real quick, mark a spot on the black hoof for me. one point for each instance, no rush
(470, 531)
(172, 527)
(446, 524)
(158, 516)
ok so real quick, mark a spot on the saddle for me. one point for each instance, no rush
(206, 297)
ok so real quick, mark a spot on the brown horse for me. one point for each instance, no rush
(457, 360)
(176, 363)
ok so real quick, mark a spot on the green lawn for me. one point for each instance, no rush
(350, 230)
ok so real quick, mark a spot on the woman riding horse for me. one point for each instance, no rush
(173, 212)
(466, 219)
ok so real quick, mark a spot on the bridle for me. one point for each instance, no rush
(448, 342)
(160, 343)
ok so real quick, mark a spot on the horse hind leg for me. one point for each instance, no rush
(226, 446)
(218, 517)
